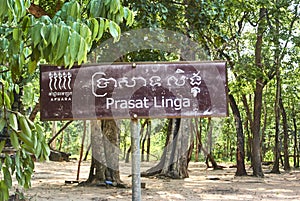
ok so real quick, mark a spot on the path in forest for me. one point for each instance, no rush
(204, 184)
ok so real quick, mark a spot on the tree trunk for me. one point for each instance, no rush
(143, 149)
(256, 157)
(197, 144)
(143, 146)
(275, 168)
(259, 85)
(192, 141)
(277, 101)
(249, 141)
(174, 161)
(59, 132)
(53, 131)
(247, 122)
(208, 156)
(209, 135)
(87, 152)
(240, 151)
(34, 112)
(105, 154)
(148, 140)
(263, 131)
(128, 155)
(285, 137)
(143, 138)
(296, 151)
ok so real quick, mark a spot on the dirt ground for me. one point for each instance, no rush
(203, 184)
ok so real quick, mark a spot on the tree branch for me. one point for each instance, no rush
(61, 130)
(36, 10)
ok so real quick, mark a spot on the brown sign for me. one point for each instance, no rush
(142, 90)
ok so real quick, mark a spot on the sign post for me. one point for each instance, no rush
(136, 160)
(133, 91)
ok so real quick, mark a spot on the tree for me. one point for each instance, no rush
(225, 27)
(29, 36)
(240, 152)
(174, 160)
(105, 155)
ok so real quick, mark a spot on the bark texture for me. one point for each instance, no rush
(240, 150)
(174, 160)
(258, 93)
(105, 154)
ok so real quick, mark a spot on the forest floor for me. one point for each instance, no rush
(48, 183)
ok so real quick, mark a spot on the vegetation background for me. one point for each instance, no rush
(259, 40)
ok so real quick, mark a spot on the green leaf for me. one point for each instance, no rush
(32, 66)
(27, 3)
(35, 55)
(2, 125)
(95, 9)
(45, 19)
(45, 33)
(24, 125)
(2, 144)
(130, 18)
(128, 15)
(35, 33)
(24, 138)
(21, 8)
(8, 161)
(63, 41)
(74, 45)
(35, 141)
(101, 29)
(46, 150)
(16, 36)
(106, 25)
(82, 51)
(114, 30)
(85, 33)
(4, 43)
(54, 34)
(25, 23)
(119, 18)
(4, 195)
(27, 184)
(14, 140)
(30, 123)
(75, 10)
(107, 2)
(17, 161)
(76, 27)
(28, 148)
(3, 6)
(1, 99)
(17, 88)
(114, 6)
(95, 28)
(7, 177)
(67, 57)
(7, 101)
(38, 150)
(13, 122)
(39, 129)
(28, 91)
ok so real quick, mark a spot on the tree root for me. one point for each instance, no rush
(107, 184)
